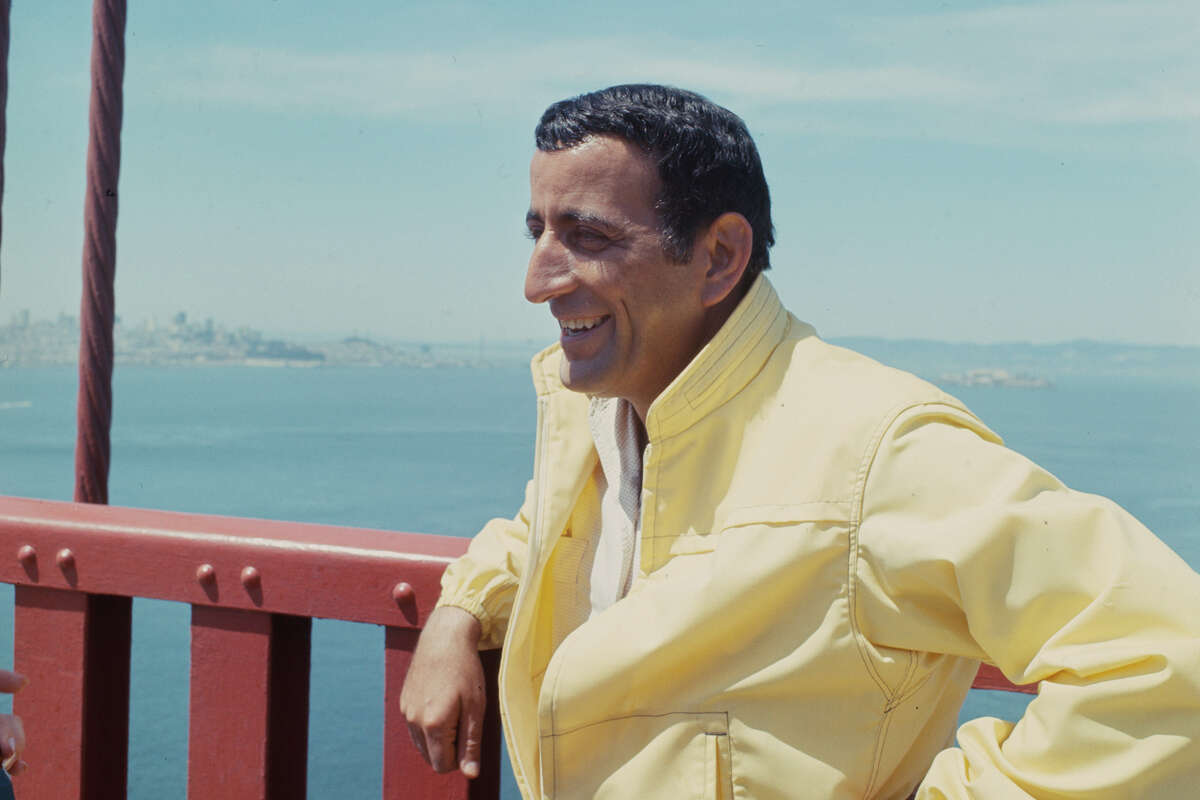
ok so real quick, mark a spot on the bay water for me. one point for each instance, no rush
(441, 450)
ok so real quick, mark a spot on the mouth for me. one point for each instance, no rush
(579, 327)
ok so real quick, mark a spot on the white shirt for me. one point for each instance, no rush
(616, 432)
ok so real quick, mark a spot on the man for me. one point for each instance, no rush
(753, 564)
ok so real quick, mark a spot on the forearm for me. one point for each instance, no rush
(483, 582)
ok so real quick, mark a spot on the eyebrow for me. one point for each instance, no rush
(577, 216)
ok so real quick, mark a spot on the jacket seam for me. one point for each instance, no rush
(856, 518)
(890, 697)
(910, 691)
(782, 521)
(724, 714)
(903, 690)
(852, 555)
(654, 555)
(880, 742)
(554, 726)
(541, 512)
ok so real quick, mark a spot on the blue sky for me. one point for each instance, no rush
(962, 171)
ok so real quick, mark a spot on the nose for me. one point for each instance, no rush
(549, 274)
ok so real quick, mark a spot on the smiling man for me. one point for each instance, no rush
(751, 564)
(632, 313)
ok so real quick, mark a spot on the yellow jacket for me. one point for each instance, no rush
(829, 548)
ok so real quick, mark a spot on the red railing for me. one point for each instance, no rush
(254, 587)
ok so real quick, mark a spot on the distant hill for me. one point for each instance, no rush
(1079, 358)
(28, 342)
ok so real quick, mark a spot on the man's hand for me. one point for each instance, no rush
(12, 732)
(443, 696)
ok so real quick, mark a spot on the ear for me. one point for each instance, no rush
(727, 242)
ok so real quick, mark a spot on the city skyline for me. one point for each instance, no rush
(996, 172)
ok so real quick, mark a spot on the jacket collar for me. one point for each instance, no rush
(719, 371)
(725, 365)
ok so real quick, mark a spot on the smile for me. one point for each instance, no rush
(575, 327)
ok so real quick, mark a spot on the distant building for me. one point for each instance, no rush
(993, 377)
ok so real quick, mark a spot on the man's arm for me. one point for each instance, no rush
(444, 697)
(972, 550)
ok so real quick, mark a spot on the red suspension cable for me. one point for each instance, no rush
(94, 409)
(5, 8)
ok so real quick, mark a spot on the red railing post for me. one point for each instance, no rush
(75, 648)
(248, 715)
(487, 785)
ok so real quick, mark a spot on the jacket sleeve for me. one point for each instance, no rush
(483, 581)
(969, 549)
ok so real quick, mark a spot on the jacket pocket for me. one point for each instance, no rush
(787, 514)
(570, 603)
(679, 756)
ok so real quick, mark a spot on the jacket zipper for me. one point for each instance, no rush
(530, 558)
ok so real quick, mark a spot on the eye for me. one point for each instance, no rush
(591, 239)
(532, 233)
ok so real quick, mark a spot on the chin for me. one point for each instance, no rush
(586, 378)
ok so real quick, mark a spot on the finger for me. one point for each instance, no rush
(441, 748)
(18, 735)
(418, 740)
(14, 741)
(11, 681)
(469, 733)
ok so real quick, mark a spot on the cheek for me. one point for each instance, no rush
(667, 303)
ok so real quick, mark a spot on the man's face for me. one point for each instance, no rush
(630, 317)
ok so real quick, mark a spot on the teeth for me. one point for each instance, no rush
(575, 325)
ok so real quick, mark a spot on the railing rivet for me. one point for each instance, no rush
(65, 559)
(250, 578)
(205, 574)
(402, 593)
(27, 555)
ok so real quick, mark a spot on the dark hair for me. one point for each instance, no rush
(707, 162)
